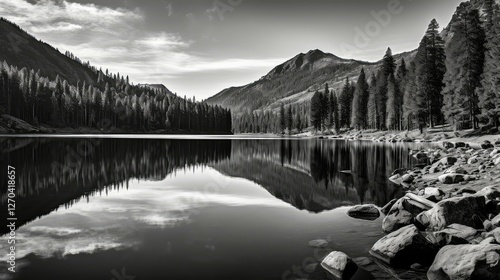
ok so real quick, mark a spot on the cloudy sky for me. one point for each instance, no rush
(199, 47)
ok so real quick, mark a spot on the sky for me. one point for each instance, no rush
(200, 47)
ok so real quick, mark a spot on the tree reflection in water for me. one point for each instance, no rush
(305, 173)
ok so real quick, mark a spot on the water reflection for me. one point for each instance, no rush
(162, 207)
(313, 175)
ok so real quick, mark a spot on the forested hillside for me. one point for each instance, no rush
(63, 92)
(452, 78)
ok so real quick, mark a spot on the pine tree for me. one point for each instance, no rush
(345, 103)
(436, 68)
(464, 64)
(410, 107)
(422, 84)
(316, 110)
(391, 120)
(401, 77)
(489, 93)
(289, 119)
(360, 102)
(336, 117)
(372, 104)
(282, 117)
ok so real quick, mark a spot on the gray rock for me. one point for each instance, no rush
(494, 233)
(404, 247)
(456, 170)
(318, 243)
(463, 262)
(364, 212)
(433, 191)
(459, 145)
(339, 265)
(490, 192)
(407, 178)
(452, 234)
(496, 221)
(363, 261)
(385, 210)
(451, 178)
(448, 145)
(469, 211)
(402, 213)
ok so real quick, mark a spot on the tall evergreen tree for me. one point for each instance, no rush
(436, 68)
(289, 119)
(282, 117)
(316, 110)
(372, 104)
(391, 119)
(465, 65)
(489, 93)
(359, 110)
(345, 103)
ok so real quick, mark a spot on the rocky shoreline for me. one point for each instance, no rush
(447, 226)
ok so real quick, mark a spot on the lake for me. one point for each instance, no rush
(195, 208)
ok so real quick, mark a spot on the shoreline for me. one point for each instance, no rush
(451, 212)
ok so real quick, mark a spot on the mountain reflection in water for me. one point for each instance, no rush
(161, 207)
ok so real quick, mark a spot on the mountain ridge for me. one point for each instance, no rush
(297, 77)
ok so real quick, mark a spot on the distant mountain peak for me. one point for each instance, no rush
(312, 59)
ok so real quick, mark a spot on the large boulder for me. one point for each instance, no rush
(442, 164)
(404, 247)
(464, 262)
(339, 265)
(364, 212)
(469, 211)
(385, 210)
(490, 192)
(407, 178)
(402, 213)
(451, 178)
(448, 145)
(452, 234)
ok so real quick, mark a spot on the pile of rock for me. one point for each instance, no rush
(448, 223)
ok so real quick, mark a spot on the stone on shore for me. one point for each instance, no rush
(469, 211)
(402, 213)
(451, 178)
(448, 145)
(364, 212)
(452, 234)
(490, 192)
(385, 210)
(464, 262)
(339, 265)
(404, 247)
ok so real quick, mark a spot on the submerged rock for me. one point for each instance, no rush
(364, 212)
(339, 265)
(463, 262)
(468, 210)
(404, 247)
(318, 243)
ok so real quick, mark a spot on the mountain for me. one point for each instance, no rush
(19, 48)
(294, 81)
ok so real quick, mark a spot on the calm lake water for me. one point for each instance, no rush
(190, 209)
